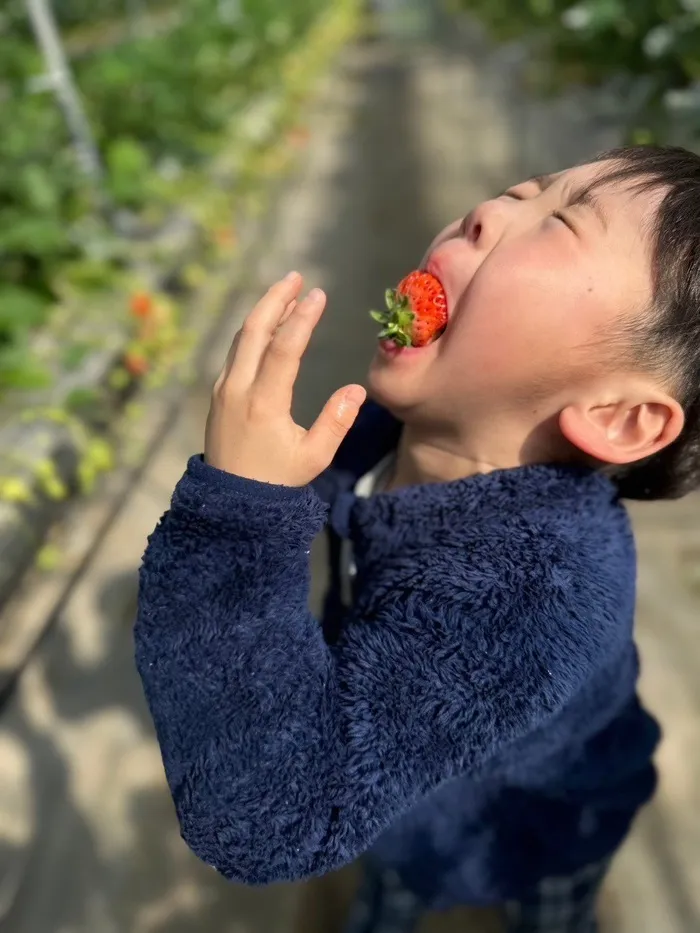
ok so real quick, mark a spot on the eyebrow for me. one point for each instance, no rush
(584, 196)
(543, 181)
(580, 197)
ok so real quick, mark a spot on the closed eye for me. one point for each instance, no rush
(558, 215)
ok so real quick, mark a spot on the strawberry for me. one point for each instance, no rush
(141, 304)
(298, 137)
(135, 363)
(416, 311)
(225, 237)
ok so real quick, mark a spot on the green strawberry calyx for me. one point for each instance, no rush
(397, 320)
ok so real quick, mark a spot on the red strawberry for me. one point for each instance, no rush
(141, 304)
(417, 311)
(298, 137)
(225, 236)
(135, 363)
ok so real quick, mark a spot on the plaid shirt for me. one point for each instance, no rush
(556, 905)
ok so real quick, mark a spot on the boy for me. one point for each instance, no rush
(469, 719)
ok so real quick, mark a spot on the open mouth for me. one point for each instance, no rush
(392, 349)
(432, 268)
(416, 315)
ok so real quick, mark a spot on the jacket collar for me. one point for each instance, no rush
(445, 512)
(374, 434)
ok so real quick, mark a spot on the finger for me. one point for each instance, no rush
(326, 434)
(258, 328)
(290, 308)
(228, 363)
(280, 365)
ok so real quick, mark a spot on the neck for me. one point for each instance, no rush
(429, 455)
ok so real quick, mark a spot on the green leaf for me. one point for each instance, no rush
(87, 274)
(80, 399)
(20, 309)
(33, 235)
(74, 355)
(18, 370)
(49, 558)
(129, 168)
(127, 157)
(40, 187)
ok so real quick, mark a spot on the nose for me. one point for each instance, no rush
(483, 227)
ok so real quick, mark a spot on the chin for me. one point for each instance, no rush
(386, 387)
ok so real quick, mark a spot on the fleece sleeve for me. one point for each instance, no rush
(286, 757)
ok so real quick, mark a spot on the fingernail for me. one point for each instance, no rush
(355, 396)
(315, 294)
(290, 276)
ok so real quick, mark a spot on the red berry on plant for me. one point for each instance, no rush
(141, 304)
(136, 364)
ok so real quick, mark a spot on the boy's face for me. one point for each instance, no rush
(536, 281)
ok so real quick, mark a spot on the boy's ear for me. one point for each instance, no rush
(625, 430)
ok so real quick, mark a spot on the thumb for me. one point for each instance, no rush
(338, 416)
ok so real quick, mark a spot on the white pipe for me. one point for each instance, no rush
(60, 79)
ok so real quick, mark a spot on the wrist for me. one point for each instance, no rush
(228, 482)
(223, 504)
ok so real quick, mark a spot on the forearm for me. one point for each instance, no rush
(225, 644)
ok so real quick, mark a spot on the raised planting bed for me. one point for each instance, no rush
(129, 311)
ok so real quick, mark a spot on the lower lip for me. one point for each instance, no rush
(391, 351)
(394, 351)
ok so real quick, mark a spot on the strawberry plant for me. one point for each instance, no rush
(175, 93)
(39, 194)
(649, 48)
(154, 101)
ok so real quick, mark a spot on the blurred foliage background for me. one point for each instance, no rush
(163, 80)
(646, 51)
(160, 82)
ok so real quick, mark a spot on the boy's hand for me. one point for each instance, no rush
(250, 431)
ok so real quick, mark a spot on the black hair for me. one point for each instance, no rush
(667, 339)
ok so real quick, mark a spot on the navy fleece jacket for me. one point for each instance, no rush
(471, 720)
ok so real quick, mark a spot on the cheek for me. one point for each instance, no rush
(449, 233)
(524, 317)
